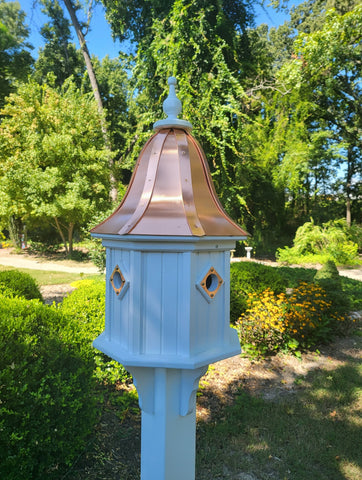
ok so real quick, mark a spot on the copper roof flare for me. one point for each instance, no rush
(171, 192)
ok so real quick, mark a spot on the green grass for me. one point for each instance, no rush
(315, 435)
(44, 277)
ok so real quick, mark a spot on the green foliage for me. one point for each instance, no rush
(86, 306)
(6, 291)
(21, 284)
(97, 252)
(113, 85)
(322, 120)
(353, 292)
(55, 166)
(42, 248)
(48, 405)
(15, 59)
(356, 235)
(348, 289)
(295, 322)
(329, 279)
(251, 278)
(331, 241)
(59, 55)
(134, 18)
(293, 276)
(328, 272)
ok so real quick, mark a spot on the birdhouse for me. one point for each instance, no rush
(168, 257)
(168, 286)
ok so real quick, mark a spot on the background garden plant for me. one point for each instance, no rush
(311, 313)
(332, 241)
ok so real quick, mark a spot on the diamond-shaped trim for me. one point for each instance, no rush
(211, 282)
(117, 280)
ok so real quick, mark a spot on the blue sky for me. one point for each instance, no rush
(99, 39)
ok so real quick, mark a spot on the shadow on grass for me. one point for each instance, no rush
(113, 451)
(309, 432)
(314, 435)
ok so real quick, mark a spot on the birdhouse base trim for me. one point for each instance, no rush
(113, 350)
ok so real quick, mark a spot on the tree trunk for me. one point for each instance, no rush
(348, 210)
(348, 187)
(87, 59)
(95, 88)
(70, 238)
(61, 233)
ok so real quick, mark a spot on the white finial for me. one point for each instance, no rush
(172, 107)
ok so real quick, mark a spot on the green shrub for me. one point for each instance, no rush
(97, 252)
(22, 284)
(356, 235)
(86, 305)
(352, 289)
(293, 276)
(261, 327)
(332, 240)
(328, 271)
(47, 396)
(328, 277)
(251, 277)
(44, 247)
(6, 291)
(292, 322)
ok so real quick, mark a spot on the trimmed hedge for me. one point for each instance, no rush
(251, 278)
(47, 390)
(21, 284)
(86, 306)
(294, 275)
(329, 279)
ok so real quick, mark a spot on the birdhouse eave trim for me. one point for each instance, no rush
(167, 238)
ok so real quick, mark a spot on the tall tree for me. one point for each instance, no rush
(15, 58)
(309, 16)
(54, 163)
(133, 19)
(212, 77)
(113, 84)
(72, 7)
(325, 75)
(72, 10)
(59, 54)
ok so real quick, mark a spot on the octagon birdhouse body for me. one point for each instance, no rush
(168, 258)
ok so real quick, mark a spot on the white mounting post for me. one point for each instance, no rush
(167, 398)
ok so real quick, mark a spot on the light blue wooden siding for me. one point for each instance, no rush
(165, 294)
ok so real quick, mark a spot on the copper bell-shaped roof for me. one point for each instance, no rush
(171, 191)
